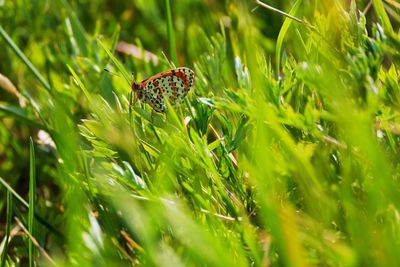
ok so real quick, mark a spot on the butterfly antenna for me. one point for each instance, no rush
(113, 73)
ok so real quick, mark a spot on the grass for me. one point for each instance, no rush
(285, 152)
(32, 198)
(8, 229)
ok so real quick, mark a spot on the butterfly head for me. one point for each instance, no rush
(137, 88)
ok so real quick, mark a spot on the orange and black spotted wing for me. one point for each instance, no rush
(173, 85)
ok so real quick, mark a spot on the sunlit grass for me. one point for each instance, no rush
(285, 152)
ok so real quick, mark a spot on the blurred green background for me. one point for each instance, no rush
(285, 153)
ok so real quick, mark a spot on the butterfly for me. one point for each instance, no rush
(172, 84)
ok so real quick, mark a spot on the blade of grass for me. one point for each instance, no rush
(393, 3)
(392, 12)
(116, 62)
(107, 91)
(282, 34)
(80, 83)
(32, 192)
(35, 242)
(9, 188)
(304, 22)
(21, 115)
(21, 55)
(171, 33)
(280, 12)
(77, 30)
(8, 228)
(382, 15)
(37, 216)
(115, 37)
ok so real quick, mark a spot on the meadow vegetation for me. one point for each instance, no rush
(284, 153)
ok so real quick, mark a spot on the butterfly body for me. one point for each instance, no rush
(173, 85)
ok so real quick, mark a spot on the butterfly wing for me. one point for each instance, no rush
(172, 84)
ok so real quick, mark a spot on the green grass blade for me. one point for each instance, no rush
(171, 33)
(77, 30)
(21, 55)
(40, 219)
(285, 27)
(9, 188)
(382, 15)
(32, 193)
(79, 81)
(21, 115)
(107, 91)
(119, 66)
(8, 228)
